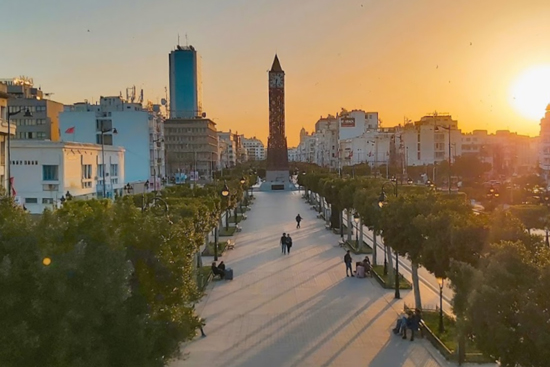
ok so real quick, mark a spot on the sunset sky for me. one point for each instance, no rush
(397, 57)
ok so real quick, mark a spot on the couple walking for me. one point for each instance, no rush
(286, 243)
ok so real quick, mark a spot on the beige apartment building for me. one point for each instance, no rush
(191, 146)
(43, 124)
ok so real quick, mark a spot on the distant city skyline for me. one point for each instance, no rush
(487, 64)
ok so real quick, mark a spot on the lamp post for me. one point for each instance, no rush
(381, 202)
(441, 281)
(448, 128)
(225, 194)
(66, 197)
(10, 114)
(242, 181)
(156, 173)
(128, 188)
(103, 131)
(356, 220)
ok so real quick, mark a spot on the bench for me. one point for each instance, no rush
(238, 228)
(245, 217)
(319, 215)
(230, 244)
(341, 242)
(327, 226)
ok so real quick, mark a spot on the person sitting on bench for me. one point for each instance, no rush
(221, 266)
(217, 271)
(367, 265)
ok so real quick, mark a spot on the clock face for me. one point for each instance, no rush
(276, 81)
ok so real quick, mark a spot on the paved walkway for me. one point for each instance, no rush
(299, 309)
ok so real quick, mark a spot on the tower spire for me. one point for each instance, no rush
(276, 65)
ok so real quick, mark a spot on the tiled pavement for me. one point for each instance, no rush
(299, 309)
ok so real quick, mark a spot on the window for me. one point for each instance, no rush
(47, 201)
(114, 169)
(86, 171)
(50, 187)
(100, 170)
(41, 135)
(50, 173)
(107, 138)
(31, 201)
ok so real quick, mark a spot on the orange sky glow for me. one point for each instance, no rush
(400, 58)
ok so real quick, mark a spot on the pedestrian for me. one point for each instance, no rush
(347, 261)
(413, 323)
(288, 243)
(298, 220)
(283, 243)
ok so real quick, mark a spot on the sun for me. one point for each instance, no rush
(530, 94)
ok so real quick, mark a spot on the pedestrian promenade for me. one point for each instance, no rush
(298, 309)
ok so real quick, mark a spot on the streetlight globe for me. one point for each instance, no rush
(440, 281)
(46, 261)
(242, 180)
(356, 218)
(225, 190)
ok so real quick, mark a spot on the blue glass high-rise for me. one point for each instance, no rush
(185, 83)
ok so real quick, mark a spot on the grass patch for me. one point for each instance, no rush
(383, 279)
(352, 245)
(230, 232)
(449, 337)
(239, 218)
(209, 250)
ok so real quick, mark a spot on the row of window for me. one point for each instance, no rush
(31, 135)
(25, 163)
(29, 122)
(14, 109)
(173, 130)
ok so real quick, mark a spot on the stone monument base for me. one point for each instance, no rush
(277, 181)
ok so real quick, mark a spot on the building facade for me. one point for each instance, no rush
(191, 147)
(227, 149)
(4, 131)
(255, 148)
(43, 121)
(45, 171)
(185, 83)
(139, 130)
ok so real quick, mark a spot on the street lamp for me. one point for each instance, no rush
(103, 132)
(128, 188)
(10, 114)
(66, 197)
(356, 220)
(441, 281)
(381, 202)
(225, 194)
(448, 128)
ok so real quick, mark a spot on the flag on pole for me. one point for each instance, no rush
(70, 130)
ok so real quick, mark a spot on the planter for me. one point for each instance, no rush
(230, 232)
(365, 249)
(378, 274)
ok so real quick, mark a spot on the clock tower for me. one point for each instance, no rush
(277, 156)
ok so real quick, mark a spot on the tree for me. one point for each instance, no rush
(508, 306)
(531, 216)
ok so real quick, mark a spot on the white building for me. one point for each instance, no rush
(255, 148)
(355, 123)
(140, 130)
(292, 155)
(3, 135)
(227, 149)
(45, 171)
(427, 141)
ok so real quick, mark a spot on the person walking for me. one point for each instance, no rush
(347, 261)
(288, 243)
(298, 220)
(283, 243)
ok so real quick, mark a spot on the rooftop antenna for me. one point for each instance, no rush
(178, 39)
(186, 40)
